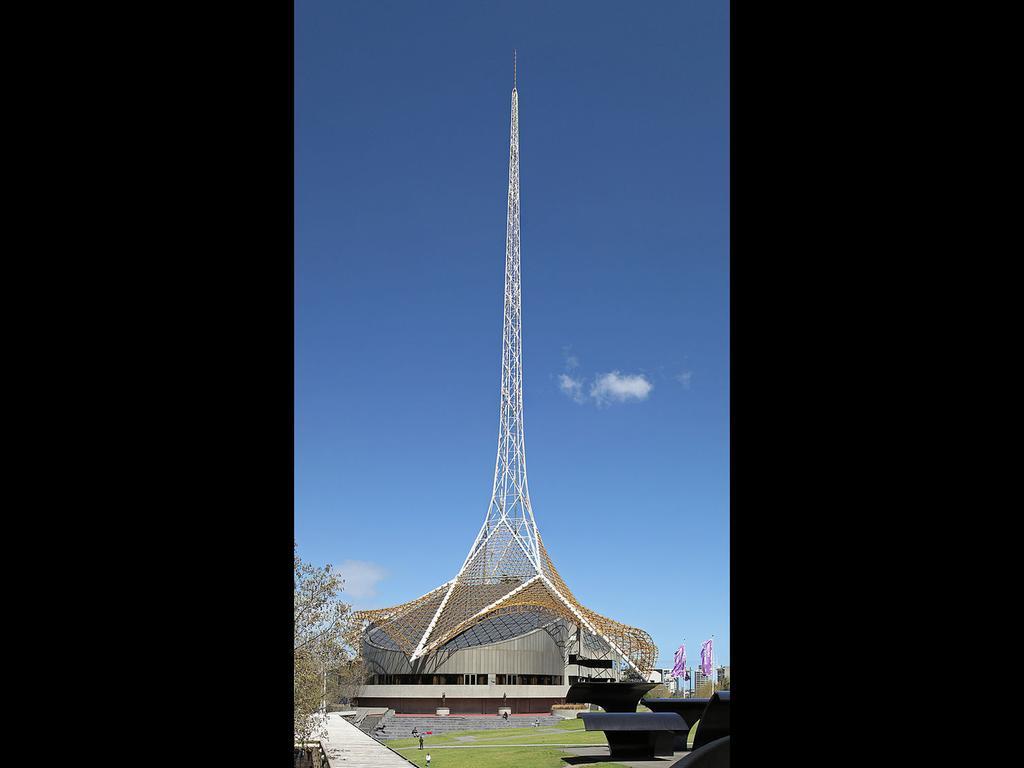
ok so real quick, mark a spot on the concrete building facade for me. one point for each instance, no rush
(528, 674)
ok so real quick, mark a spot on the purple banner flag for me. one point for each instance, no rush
(679, 670)
(705, 658)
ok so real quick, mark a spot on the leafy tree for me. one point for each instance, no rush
(660, 691)
(703, 690)
(321, 624)
(345, 681)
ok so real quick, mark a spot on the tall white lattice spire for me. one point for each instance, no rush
(507, 544)
(507, 584)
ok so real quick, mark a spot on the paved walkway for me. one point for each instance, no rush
(348, 747)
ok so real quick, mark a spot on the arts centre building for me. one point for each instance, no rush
(507, 630)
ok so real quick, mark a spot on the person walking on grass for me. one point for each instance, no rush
(428, 758)
(421, 742)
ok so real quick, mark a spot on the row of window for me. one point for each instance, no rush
(480, 679)
(528, 679)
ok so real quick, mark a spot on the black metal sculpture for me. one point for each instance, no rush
(689, 709)
(713, 714)
(714, 720)
(636, 734)
(611, 697)
(659, 732)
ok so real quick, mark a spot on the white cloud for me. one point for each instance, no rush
(684, 378)
(361, 578)
(606, 387)
(615, 386)
(572, 387)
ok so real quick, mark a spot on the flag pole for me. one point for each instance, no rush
(712, 665)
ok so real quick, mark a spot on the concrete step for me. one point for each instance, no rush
(371, 722)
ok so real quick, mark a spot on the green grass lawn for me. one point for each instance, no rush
(566, 732)
(485, 752)
(493, 757)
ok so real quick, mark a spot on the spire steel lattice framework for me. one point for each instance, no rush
(507, 584)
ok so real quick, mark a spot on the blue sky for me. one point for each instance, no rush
(401, 169)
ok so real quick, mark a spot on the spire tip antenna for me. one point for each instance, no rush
(513, 69)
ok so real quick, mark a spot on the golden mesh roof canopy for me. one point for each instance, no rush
(426, 624)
